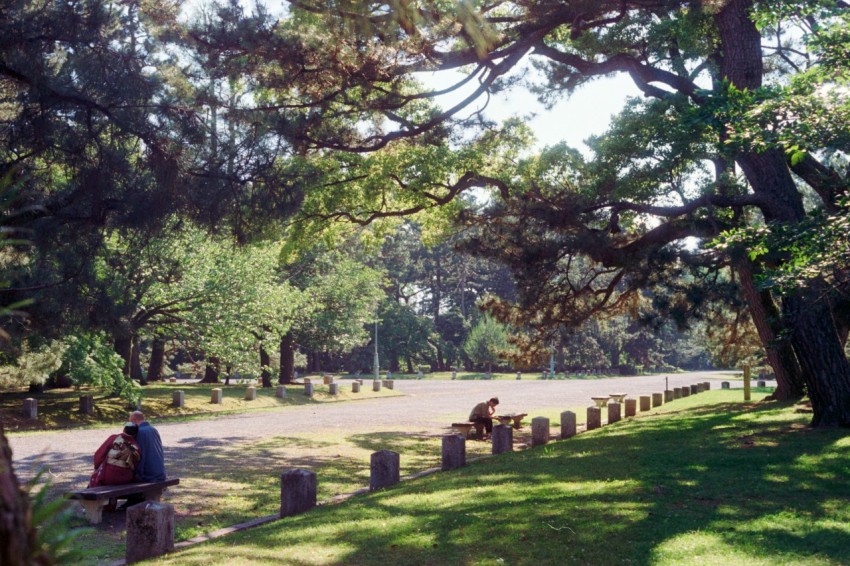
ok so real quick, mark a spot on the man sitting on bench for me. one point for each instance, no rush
(482, 414)
(151, 467)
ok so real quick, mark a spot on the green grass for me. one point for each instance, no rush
(59, 408)
(703, 480)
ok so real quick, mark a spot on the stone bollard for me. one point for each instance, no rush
(503, 439)
(677, 393)
(519, 375)
(645, 401)
(454, 452)
(376, 385)
(454, 375)
(657, 399)
(280, 392)
(355, 387)
(668, 395)
(178, 399)
(613, 412)
(686, 391)
(327, 379)
(307, 380)
(390, 384)
(384, 469)
(87, 404)
(216, 396)
(706, 386)
(724, 385)
(568, 424)
(150, 531)
(594, 418)
(308, 389)
(539, 431)
(172, 380)
(760, 384)
(631, 407)
(694, 389)
(30, 408)
(298, 489)
(251, 393)
(333, 388)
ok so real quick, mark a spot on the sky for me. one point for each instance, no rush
(586, 112)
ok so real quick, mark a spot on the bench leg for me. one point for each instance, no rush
(94, 509)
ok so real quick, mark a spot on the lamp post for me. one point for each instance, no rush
(552, 363)
(377, 364)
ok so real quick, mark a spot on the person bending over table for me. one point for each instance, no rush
(483, 412)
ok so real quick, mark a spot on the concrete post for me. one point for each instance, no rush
(613, 412)
(761, 384)
(454, 452)
(251, 393)
(216, 396)
(645, 401)
(668, 395)
(280, 392)
(454, 375)
(706, 385)
(503, 439)
(333, 388)
(298, 489)
(376, 385)
(677, 393)
(657, 399)
(686, 391)
(694, 389)
(87, 404)
(390, 384)
(539, 431)
(384, 469)
(594, 418)
(724, 385)
(568, 424)
(178, 398)
(355, 387)
(30, 408)
(308, 389)
(631, 407)
(150, 531)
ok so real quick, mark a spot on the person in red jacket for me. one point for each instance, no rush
(116, 459)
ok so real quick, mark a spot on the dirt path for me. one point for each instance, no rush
(426, 407)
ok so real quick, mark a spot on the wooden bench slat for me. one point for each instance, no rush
(112, 491)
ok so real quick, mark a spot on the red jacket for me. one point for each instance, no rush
(115, 460)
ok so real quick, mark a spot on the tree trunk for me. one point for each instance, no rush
(287, 359)
(265, 362)
(135, 361)
(157, 360)
(813, 334)
(766, 317)
(19, 543)
(123, 347)
(212, 371)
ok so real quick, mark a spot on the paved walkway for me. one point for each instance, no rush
(425, 407)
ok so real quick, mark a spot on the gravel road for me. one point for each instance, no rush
(424, 406)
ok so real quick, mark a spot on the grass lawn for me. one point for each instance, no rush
(702, 480)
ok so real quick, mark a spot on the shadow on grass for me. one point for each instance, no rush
(714, 484)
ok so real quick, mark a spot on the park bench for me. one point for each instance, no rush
(465, 428)
(94, 499)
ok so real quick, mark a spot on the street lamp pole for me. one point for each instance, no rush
(377, 364)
